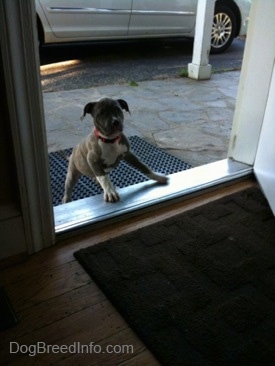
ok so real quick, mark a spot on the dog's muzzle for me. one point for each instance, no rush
(104, 139)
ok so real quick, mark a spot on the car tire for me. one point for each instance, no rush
(223, 29)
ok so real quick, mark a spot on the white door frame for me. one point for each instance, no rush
(254, 82)
(264, 166)
(23, 87)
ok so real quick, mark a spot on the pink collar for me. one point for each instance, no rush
(103, 139)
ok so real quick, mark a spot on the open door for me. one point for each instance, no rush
(253, 130)
(264, 166)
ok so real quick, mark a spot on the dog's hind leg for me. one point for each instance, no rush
(71, 179)
(133, 160)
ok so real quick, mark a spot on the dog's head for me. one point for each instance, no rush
(107, 114)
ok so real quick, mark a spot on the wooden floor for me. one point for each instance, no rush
(57, 302)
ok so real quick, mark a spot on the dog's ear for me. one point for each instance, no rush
(88, 109)
(124, 105)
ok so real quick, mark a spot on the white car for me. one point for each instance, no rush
(93, 20)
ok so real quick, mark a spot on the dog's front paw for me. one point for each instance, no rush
(162, 179)
(111, 196)
(66, 199)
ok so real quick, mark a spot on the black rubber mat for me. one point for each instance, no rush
(123, 176)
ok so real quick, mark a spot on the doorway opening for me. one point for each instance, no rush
(175, 124)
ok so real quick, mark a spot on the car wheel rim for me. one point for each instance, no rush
(221, 30)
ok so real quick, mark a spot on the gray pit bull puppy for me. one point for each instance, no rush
(102, 149)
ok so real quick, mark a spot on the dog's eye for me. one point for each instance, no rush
(117, 110)
(101, 115)
(116, 122)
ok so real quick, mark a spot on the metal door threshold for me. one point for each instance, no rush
(91, 210)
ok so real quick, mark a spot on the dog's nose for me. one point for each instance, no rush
(116, 123)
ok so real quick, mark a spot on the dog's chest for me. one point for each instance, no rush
(112, 153)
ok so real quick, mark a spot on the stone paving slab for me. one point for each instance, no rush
(188, 118)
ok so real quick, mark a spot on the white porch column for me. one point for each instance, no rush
(199, 68)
